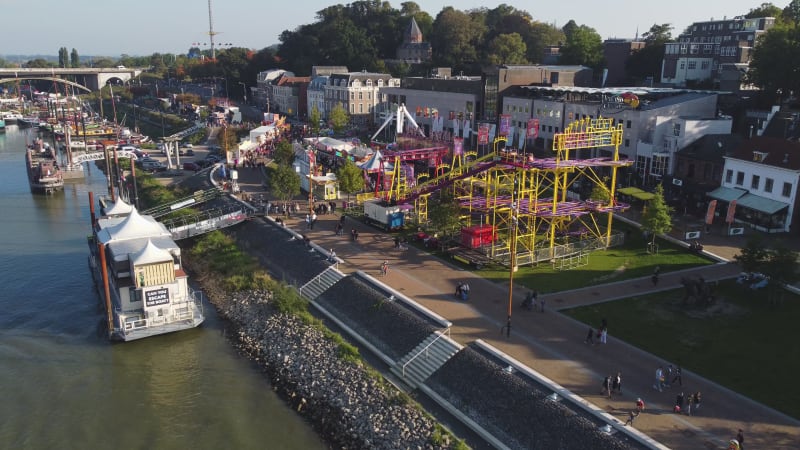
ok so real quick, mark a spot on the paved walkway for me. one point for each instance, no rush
(552, 343)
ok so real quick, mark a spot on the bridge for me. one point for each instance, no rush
(86, 78)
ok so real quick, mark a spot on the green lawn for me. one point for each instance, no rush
(742, 342)
(618, 263)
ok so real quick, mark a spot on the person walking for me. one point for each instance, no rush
(697, 399)
(589, 337)
(654, 278)
(677, 377)
(617, 383)
(689, 403)
(541, 305)
(606, 386)
(332, 256)
(385, 268)
(604, 335)
(659, 384)
(679, 402)
(631, 416)
(740, 439)
(639, 406)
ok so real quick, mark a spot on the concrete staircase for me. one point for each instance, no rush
(415, 367)
(321, 283)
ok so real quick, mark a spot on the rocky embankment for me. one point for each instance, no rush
(345, 404)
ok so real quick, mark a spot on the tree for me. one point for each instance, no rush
(339, 118)
(39, 63)
(773, 67)
(444, 214)
(284, 153)
(454, 38)
(284, 182)
(646, 62)
(350, 178)
(584, 46)
(508, 49)
(782, 266)
(74, 59)
(657, 218)
(314, 117)
(63, 57)
(753, 255)
(229, 140)
(764, 10)
(600, 193)
(791, 13)
(542, 35)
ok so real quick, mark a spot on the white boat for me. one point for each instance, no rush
(137, 268)
(11, 117)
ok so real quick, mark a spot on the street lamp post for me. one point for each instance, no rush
(513, 226)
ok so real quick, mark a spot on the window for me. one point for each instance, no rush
(704, 65)
(739, 178)
(787, 189)
(628, 124)
(768, 183)
(627, 142)
(755, 182)
(361, 96)
(361, 108)
(676, 129)
(692, 65)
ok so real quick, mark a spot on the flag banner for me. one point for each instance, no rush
(712, 205)
(455, 127)
(731, 212)
(533, 128)
(467, 129)
(458, 146)
(492, 130)
(505, 123)
(483, 134)
(521, 139)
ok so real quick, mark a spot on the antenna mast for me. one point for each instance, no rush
(211, 31)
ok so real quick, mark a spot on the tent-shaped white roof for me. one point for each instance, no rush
(261, 131)
(329, 143)
(135, 226)
(150, 254)
(119, 208)
(375, 162)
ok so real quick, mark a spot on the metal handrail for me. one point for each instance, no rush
(425, 349)
(317, 278)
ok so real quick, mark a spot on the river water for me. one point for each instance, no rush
(64, 385)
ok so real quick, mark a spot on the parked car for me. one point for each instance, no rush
(191, 166)
(203, 163)
(153, 166)
(141, 153)
(187, 145)
(213, 158)
(187, 152)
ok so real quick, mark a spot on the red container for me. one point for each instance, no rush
(477, 236)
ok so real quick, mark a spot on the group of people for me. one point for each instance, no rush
(612, 384)
(531, 298)
(601, 334)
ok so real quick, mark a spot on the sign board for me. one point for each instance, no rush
(735, 231)
(156, 297)
(692, 235)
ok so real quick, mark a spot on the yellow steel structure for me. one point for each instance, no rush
(526, 200)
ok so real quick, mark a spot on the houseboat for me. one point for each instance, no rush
(136, 266)
(44, 174)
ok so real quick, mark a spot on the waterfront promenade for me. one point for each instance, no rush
(552, 343)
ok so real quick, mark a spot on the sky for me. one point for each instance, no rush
(143, 27)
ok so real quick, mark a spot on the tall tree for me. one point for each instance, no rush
(454, 37)
(646, 62)
(74, 59)
(314, 118)
(284, 182)
(542, 35)
(657, 218)
(444, 214)
(753, 255)
(773, 66)
(350, 178)
(584, 46)
(507, 49)
(63, 57)
(765, 10)
(284, 153)
(339, 118)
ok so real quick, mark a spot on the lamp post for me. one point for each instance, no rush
(244, 91)
(513, 226)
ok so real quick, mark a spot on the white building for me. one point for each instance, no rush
(316, 96)
(358, 93)
(762, 175)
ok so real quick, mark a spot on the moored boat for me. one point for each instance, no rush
(11, 117)
(2, 125)
(137, 268)
(44, 174)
